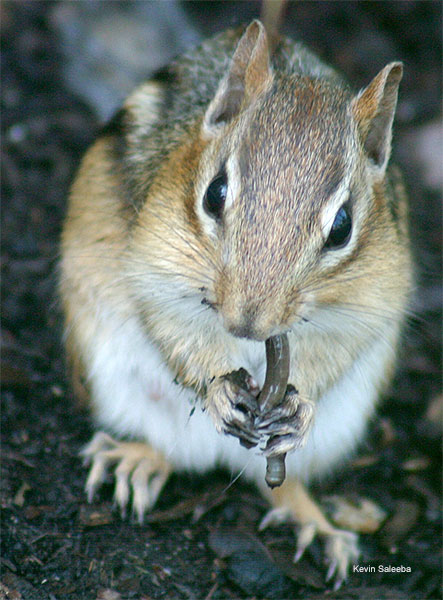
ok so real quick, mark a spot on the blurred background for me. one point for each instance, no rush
(65, 68)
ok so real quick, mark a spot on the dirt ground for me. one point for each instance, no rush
(201, 541)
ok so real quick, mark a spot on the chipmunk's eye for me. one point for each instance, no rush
(341, 229)
(215, 196)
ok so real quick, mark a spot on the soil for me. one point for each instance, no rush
(201, 540)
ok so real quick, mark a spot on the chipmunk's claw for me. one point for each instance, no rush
(140, 470)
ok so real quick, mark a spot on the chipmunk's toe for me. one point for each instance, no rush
(305, 538)
(139, 470)
(275, 516)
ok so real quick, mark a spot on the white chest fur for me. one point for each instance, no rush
(135, 396)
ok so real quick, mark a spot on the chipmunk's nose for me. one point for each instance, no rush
(246, 323)
(244, 329)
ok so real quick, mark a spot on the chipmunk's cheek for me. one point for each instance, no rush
(298, 310)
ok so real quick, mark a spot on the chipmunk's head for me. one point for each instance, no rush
(285, 192)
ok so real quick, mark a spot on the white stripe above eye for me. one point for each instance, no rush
(233, 173)
(329, 212)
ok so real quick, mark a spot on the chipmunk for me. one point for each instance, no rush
(236, 196)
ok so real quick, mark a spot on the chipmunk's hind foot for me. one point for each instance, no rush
(293, 503)
(139, 470)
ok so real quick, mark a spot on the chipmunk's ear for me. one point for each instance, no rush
(373, 109)
(248, 76)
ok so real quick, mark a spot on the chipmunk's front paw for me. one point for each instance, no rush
(140, 469)
(232, 403)
(286, 424)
